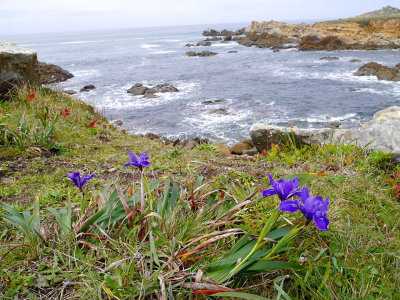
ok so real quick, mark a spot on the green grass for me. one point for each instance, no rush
(366, 20)
(190, 219)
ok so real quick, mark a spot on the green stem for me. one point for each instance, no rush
(267, 228)
(142, 203)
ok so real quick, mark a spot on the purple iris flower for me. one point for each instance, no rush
(284, 189)
(79, 182)
(313, 208)
(141, 162)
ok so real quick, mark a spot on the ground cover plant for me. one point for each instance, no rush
(88, 211)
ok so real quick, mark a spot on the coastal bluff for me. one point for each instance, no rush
(379, 34)
(17, 66)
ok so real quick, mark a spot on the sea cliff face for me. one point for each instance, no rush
(325, 35)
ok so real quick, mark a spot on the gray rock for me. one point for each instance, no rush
(70, 92)
(382, 133)
(329, 58)
(232, 51)
(203, 43)
(138, 89)
(220, 111)
(380, 71)
(50, 73)
(333, 125)
(354, 60)
(250, 152)
(87, 88)
(118, 122)
(211, 32)
(189, 45)
(152, 136)
(244, 145)
(18, 66)
(207, 53)
(191, 53)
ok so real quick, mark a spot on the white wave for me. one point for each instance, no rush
(116, 96)
(221, 45)
(327, 118)
(76, 42)
(173, 41)
(147, 46)
(87, 73)
(163, 52)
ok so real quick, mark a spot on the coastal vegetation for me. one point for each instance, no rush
(383, 14)
(164, 222)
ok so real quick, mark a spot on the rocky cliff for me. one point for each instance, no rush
(17, 66)
(378, 34)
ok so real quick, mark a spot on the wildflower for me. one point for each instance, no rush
(284, 189)
(250, 158)
(91, 125)
(31, 95)
(65, 112)
(79, 182)
(263, 152)
(313, 208)
(142, 162)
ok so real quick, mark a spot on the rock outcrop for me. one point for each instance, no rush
(149, 92)
(87, 88)
(380, 71)
(379, 34)
(382, 133)
(203, 53)
(50, 73)
(18, 66)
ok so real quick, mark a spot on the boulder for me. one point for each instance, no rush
(204, 44)
(211, 32)
(207, 53)
(228, 38)
(213, 39)
(152, 136)
(137, 89)
(87, 88)
(18, 66)
(50, 73)
(354, 60)
(329, 58)
(149, 92)
(203, 53)
(189, 45)
(397, 66)
(382, 133)
(208, 102)
(70, 92)
(223, 149)
(380, 71)
(220, 111)
(232, 51)
(166, 88)
(238, 148)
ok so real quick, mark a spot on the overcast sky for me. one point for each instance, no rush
(35, 16)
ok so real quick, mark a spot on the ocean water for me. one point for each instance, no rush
(253, 85)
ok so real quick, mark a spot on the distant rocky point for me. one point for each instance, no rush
(375, 30)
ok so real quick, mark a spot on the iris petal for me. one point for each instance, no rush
(289, 205)
(269, 192)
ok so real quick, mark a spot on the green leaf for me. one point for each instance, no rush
(174, 196)
(166, 194)
(239, 295)
(266, 265)
(153, 249)
(92, 219)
